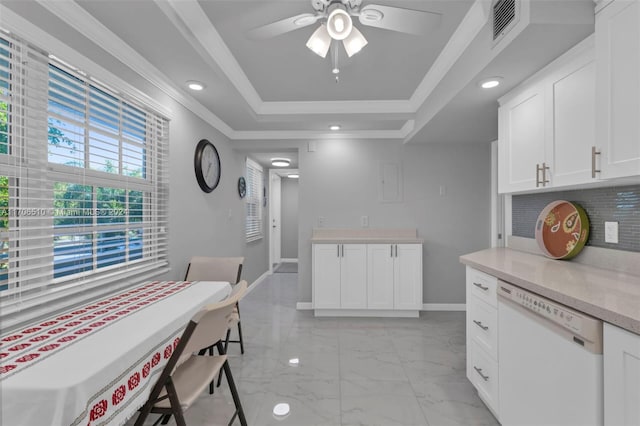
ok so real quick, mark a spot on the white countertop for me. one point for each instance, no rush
(609, 295)
(365, 236)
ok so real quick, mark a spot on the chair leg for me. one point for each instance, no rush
(240, 337)
(166, 418)
(144, 413)
(226, 340)
(175, 403)
(234, 391)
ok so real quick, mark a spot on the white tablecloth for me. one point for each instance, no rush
(96, 365)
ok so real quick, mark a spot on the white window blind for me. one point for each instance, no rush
(254, 201)
(83, 180)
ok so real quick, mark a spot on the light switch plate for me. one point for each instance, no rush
(611, 232)
(321, 221)
(364, 221)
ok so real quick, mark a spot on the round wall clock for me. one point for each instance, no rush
(242, 187)
(207, 165)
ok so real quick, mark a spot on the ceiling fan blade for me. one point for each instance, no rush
(399, 19)
(284, 26)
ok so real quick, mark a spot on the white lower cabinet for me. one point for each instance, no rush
(621, 377)
(367, 279)
(395, 276)
(339, 276)
(482, 336)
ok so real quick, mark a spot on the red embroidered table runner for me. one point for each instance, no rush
(95, 364)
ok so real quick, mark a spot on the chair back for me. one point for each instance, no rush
(211, 322)
(202, 268)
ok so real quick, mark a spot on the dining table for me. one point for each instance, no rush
(95, 364)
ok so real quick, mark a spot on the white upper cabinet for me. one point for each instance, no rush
(547, 125)
(521, 140)
(618, 88)
(572, 116)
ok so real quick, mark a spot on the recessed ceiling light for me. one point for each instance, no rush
(280, 162)
(281, 409)
(294, 361)
(293, 176)
(334, 127)
(195, 85)
(336, 70)
(489, 83)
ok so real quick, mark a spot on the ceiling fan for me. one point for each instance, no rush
(336, 23)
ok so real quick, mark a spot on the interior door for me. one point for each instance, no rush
(276, 217)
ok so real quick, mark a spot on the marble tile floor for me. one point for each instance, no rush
(351, 371)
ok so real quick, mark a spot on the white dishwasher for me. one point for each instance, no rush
(550, 362)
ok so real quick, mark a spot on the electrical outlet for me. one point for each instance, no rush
(611, 232)
(364, 221)
(443, 190)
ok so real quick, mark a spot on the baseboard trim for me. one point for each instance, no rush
(378, 313)
(289, 260)
(304, 306)
(257, 282)
(444, 307)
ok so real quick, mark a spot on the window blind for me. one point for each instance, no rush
(254, 200)
(83, 180)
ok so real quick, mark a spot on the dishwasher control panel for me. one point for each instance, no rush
(546, 308)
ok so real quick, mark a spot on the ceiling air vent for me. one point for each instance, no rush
(504, 13)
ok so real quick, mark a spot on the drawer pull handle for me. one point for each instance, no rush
(479, 324)
(479, 371)
(481, 287)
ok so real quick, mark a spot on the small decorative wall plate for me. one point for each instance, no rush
(562, 229)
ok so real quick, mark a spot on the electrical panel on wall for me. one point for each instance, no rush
(390, 183)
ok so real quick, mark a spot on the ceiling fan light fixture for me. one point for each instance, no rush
(339, 23)
(320, 41)
(354, 43)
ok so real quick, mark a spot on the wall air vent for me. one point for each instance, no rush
(504, 13)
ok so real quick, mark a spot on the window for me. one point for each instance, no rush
(83, 187)
(254, 201)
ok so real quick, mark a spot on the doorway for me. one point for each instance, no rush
(283, 218)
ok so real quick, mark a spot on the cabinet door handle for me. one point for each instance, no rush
(538, 168)
(545, 181)
(342, 248)
(479, 324)
(396, 250)
(338, 247)
(594, 152)
(481, 287)
(479, 371)
(391, 252)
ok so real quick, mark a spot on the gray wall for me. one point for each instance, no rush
(340, 181)
(289, 212)
(207, 224)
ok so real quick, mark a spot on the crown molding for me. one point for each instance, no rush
(205, 39)
(191, 21)
(471, 25)
(24, 29)
(81, 20)
(324, 135)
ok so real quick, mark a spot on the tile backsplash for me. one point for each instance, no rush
(614, 204)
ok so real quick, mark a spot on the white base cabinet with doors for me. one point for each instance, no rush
(621, 377)
(617, 35)
(394, 276)
(339, 276)
(482, 336)
(547, 125)
(367, 279)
